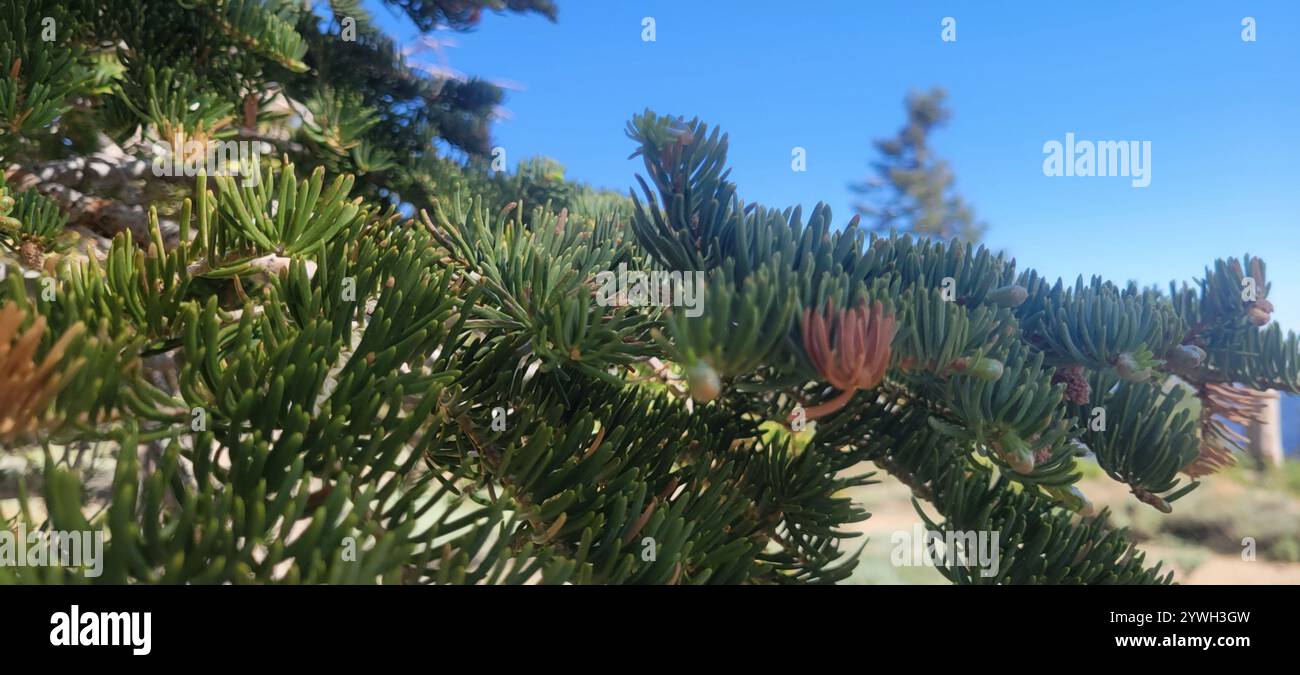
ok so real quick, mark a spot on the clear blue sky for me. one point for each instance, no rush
(1221, 113)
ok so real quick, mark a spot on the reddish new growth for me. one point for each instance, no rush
(849, 348)
(28, 383)
(1221, 404)
(1077, 389)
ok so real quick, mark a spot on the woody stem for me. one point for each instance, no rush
(830, 406)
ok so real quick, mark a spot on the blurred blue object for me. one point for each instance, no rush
(1291, 424)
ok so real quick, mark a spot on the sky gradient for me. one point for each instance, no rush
(830, 77)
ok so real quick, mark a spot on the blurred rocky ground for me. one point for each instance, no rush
(1200, 540)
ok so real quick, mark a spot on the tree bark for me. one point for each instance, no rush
(1266, 433)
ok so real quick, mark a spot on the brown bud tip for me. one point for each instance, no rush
(1008, 296)
(1016, 453)
(704, 382)
(1186, 356)
(1021, 462)
(31, 255)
